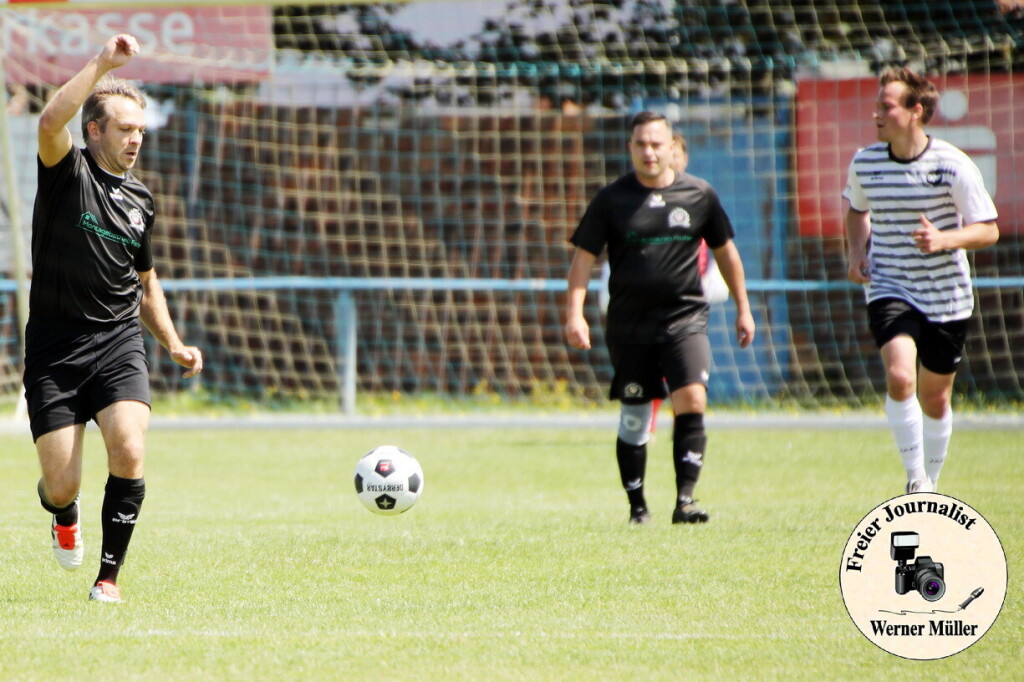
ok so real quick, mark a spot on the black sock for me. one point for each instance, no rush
(121, 505)
(66, 516)
(632, 464)
(688, 443)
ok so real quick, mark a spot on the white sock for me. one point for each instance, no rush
(905, 420)
(936, 442)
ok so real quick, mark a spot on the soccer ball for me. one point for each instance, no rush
(388, 480)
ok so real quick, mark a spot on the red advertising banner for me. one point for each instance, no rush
(190, 44)
(976, 113)
(132, 3)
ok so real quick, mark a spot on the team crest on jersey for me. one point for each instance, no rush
(135, 219)
(633, 390)
(656, 201)
(934, 178)
(679, 217)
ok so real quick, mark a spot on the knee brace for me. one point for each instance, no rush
(635, 423)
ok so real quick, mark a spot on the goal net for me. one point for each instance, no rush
(378, 196)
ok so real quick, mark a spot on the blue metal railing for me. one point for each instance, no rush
(492, 284)
(346, 320)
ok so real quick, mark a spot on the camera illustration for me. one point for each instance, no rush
(923, 575)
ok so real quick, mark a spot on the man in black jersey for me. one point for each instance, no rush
(92, 282)
(652, 222)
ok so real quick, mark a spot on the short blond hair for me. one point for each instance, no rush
(679, 140)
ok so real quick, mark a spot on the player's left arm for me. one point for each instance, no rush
(930, 239)
(157, 318)
(974, 203)
(731, 267)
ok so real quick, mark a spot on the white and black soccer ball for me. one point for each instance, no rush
(388, 480)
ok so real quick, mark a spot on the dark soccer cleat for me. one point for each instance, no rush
(688, 512)
(639, 516)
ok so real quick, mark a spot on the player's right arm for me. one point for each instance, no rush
(577, 331)
(858, 232)
(54, 137)
(858, 227)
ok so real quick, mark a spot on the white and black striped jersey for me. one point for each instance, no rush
(944, 185)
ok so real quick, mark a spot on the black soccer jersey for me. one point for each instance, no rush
(90, 237)
(653, 238)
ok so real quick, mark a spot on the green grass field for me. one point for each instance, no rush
(253, 559)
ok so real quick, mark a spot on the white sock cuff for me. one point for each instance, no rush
(903, 410)
(938, 427)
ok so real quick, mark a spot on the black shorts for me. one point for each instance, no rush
(940, 345)
(74, 370)
(641, 372)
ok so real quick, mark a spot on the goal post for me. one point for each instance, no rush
(372, 198)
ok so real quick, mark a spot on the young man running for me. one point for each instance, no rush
(916, 205)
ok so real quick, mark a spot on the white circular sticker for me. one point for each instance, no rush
(923, 576)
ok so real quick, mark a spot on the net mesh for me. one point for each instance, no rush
(431, 159)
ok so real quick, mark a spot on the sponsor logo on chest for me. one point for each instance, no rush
(90, 223)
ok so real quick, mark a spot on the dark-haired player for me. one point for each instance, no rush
(652, 222)
(92, 282)
(916, 204)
